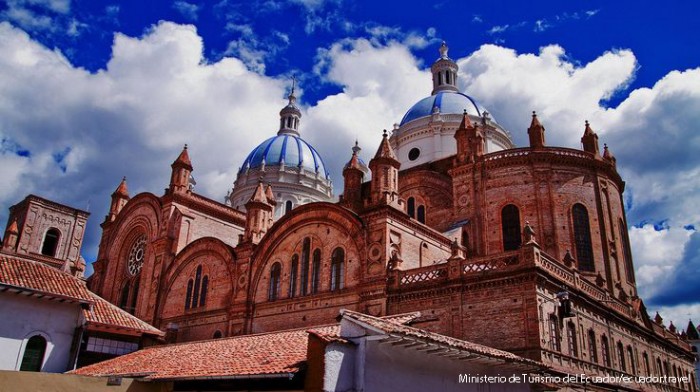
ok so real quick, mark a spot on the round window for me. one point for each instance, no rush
(136, 255)
(413, 154)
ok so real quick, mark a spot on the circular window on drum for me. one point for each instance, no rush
(413, 154)
(136, 255)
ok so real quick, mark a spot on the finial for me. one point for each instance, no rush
(124, 178)
(586, 122)
(534, 113)
(465, 112)
(384, 134)
(185, 146)
(443, 50)
(356, 149)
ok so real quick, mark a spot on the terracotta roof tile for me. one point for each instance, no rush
(28, 275)
(40, 278)
(277, 353)
(105, 313)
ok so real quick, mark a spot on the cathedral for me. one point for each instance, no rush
(522, 249)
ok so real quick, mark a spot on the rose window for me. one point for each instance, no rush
(136, 255)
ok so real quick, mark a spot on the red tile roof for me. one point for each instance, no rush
(269, 354)
(26, 275)
(104, 313)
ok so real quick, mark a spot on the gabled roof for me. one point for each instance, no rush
(38, 279)
(400, 331)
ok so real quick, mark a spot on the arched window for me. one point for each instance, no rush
(411, 207)
(605, 349)
(621, 356)
(288, 206)
(134, 297)
(337, 269)
(582, 237)
(304, 283)
(659, 369)
(293, 276)
(592, 349)
(630, 355)
(33, 356)
(188, 296)
(197, 288)
(510, 224)
(197, 284)
(421, 214)
(217, 334)
(124, 299)
(571, 339)
(554, 333)
(50, 242)
(203, 295)
(645, 358)
(275, 273)
(316, 271)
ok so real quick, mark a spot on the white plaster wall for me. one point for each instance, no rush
(340, 367)
(24, 317)
(392, 368)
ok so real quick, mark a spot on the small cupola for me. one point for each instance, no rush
(444, 72)
(290, 115)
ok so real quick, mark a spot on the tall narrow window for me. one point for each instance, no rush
(592, 349)
(554, 334)
(50, 242)
(275, 272)
(626, 253)
(659, 369)
(421, 214)
(337, 269)
(293, 276)
(411, 207)
(197, 284)
(630, 356)
(188, 295)
(621, 356)
(605, 350)
(33, 356)
(124, 300)
(571, 339)
(304, 284)
(582, 237)
(203, 295)
(386, 177)
(288, 206)
(316, 271)
(134, 297)
(647, 369)
(510, 224)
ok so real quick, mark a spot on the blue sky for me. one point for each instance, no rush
(91, 91)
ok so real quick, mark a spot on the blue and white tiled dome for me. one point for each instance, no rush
(287, 149)
(447, 102)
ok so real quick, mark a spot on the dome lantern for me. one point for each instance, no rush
(290, 115)
(444, 72)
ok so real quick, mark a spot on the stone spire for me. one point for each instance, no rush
(290, 115)
(590, 141)
(444, 72)
(692, 332)
(536, 132)
(608, 156)
(384, 186)
(470, 140)
(353, 174)
(11, 236)
(259, 211)
(119, 199)
(181, 171)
